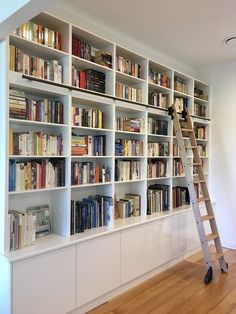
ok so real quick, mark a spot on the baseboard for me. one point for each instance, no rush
(228, 245)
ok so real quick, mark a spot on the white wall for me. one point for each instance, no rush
(223, 149)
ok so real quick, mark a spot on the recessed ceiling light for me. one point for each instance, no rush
(230, 42)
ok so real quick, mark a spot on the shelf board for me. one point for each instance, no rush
(200, 100)
(90, 157)
(179, 94)
(130, 157)
(159, 87)
(201, 140)
(36, 123)
(35, 156)
(176, 177)
(89, 185)
(127, 78)
(129, 181)
(90, 128)
(38, 190)
(158, 178)
(84, 64)
(159, 135)
(37, 48)
(158, 157)
(128, 132)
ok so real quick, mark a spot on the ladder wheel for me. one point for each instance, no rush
(227, 266)
(208, 277)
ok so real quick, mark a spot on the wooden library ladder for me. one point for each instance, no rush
(183, 127)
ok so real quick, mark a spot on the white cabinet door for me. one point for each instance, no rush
(137, 251)
(192, 234)
(178, 235)
(98, 267)
(162, 236)
(45, 284)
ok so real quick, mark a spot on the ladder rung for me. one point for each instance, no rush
(187, 130)
(198, 181)
(197, 164)
(207, 217)
(202, 199)
(212, 236)
(191, 147)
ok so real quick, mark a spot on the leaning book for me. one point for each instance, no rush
(43, 225)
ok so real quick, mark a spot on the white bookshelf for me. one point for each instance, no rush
(112, 108)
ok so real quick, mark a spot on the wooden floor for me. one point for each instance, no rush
(181, 290)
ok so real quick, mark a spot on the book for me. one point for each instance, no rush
(159, 100)
(180, 196)
(127, 170)
(200, 132)
(158, 198)
(128, 92)
(129, 67)
(177, 167)
(200, 110)
(157, 168)
(91, 118)
(155, 149)
(88, 145)
(161, 79)
(125, 147)
(130, 124)
(180, 103)
(43, 223)
(157, 126)
(127, 206)
(180, 85)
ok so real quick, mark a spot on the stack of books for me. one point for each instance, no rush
(180, 103)
(92, 212)
(199, 93)
(180, 85)
(200, 132)
(200, 110)
(202, 149)
(127, 206)
(88, 145)
(89, 79)
(130, 125)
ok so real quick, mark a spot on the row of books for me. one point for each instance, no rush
(180, 85)
(130, 124)
(177, 167)
(90, 118)
(127, 206)
(157, 126)
(176, 151)
(127, 170)
(127, 92)
(158, 198)
(85, 51)
(89, 79)
(39, 34)
(202, 148)
(34, 66)
(156, 168)
(180, 196)
(88, 145)
(129, 67)
(198, 190)
(200, 132)
(155, 149)
(92, 212)
(26, 226)
(199, 110)
(89, 172)
(158, 100)
(125, 147)
(35, 144)
(28, 108)
(159, 78)
(180, 103)
(36, 174)
(199, 93)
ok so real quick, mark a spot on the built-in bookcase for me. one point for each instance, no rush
(151, 89)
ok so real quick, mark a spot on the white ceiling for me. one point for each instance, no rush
(191, 30)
